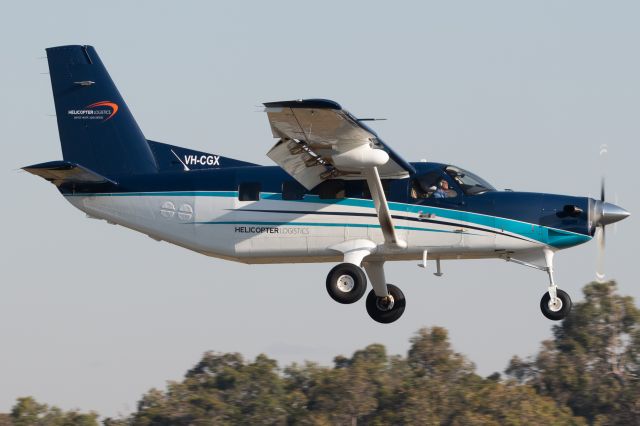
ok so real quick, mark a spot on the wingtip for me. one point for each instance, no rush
(305, 103)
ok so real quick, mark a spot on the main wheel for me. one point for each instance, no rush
(556, 311)
(346, 283)
(386, 309)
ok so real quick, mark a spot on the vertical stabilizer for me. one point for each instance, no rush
(96, 128)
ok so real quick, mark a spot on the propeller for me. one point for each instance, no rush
(601, 239)
(600, 231)
(605, 214)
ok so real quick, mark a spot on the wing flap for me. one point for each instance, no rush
(303, 166)
(324, 130)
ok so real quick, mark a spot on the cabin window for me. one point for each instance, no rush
(292, 190)
(427, 184)
(249, 191)
(356, 188)
(471, 184)
(386, 187)
(330, 190)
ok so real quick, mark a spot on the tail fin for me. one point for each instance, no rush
(96, 127)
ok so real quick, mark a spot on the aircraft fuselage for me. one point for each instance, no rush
(201, 210)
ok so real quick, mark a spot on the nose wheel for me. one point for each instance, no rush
(386, 309)
(555, 303)
(557, 309)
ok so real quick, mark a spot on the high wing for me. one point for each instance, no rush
(319, 140)
(313, 132)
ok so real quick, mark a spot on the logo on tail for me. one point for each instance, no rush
(103, 110)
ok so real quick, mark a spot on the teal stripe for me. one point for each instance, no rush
(328, 224)
(233, 194)
(562, 239)
(550, 236)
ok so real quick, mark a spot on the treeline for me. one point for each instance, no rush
(588, 373)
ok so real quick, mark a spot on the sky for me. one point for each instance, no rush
(521, 93)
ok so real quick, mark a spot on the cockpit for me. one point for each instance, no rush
(448, 182)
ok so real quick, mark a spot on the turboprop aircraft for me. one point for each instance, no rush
(338, 194)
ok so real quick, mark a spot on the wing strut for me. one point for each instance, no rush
(382, 208)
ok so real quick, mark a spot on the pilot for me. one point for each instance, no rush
(443, 190)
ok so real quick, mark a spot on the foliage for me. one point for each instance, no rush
(588, 373)
(28, 412)
(593, 363)
(432, 385)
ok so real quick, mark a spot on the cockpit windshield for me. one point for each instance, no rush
(471, 184)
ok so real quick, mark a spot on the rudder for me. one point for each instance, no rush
(96, 127)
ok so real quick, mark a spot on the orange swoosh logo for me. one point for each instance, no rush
(111, 105)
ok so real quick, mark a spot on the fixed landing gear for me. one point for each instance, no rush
(558, 309)
(346, 283)
(388, 308)
(555, 303)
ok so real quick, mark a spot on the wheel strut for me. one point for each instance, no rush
(375, 271)
(553, 288)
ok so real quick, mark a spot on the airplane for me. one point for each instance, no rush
(338, 193)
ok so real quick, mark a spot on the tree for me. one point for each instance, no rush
(589, 373)
(220, 389)
(351, 390)
(432, 385)
(592, 364)
(28, 412)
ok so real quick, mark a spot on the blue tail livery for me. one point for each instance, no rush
(96, 126)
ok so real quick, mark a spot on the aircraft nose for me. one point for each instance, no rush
(611, 213)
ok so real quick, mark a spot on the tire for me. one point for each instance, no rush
(346, 283)
(558, 314)
(386, 316)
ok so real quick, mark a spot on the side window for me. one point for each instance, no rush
(426, 185)
(356, 188)
(249, 191)
(292, 190)
(330, 190)
(386, 187)
(445, 190)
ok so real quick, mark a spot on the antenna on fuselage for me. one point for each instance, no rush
(186, 168)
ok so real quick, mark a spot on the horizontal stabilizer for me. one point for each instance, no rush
(63, 172)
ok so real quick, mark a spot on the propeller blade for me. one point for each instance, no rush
(615, 224)
(600, 237)
(604, 151)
